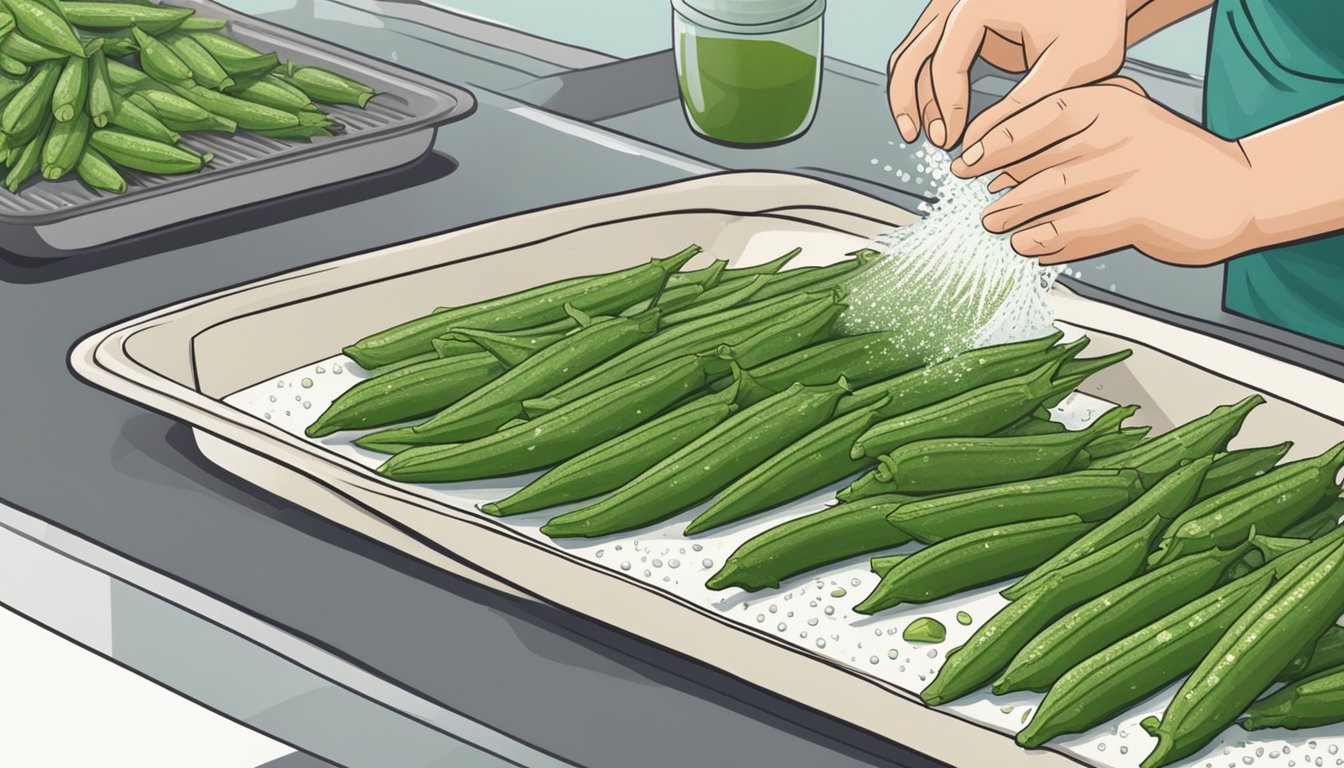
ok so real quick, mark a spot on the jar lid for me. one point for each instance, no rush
(753, 17)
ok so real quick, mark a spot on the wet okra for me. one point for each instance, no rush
(203, 67)
(810, 463)
(133, 118)
(959, 463)
(45, 25)
(328, 87)
(96, 14)
(1250, 655)
(1166, 500)
(994, 644)
(501, 399)
(141, 154)
(1236, 467)
(810, 542)
(1206, 435)
(407, 393)
(863, 359)
(978, 412)
(64, 146)
(712, 461)
(238, 59)
(95, 171)
(972, 560)
(1269, 503)
(621, 459)
(736, 295)
(1117, 613)
(1326, 654)
(1310, 703)
(68, 98)
(1123, 440)
(1092, 495)
(596, 295)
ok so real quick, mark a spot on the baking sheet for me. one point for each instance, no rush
(186, 359)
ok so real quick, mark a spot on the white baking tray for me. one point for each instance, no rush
(212, 361)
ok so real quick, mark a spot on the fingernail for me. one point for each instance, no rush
(937, 132)
(972, 154)
(1038, 239)
(994, 221)
(1001, 182)
(906, 125)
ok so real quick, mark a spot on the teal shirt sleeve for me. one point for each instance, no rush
(1271, 61)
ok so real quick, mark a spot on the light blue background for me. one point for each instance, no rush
(859, 31)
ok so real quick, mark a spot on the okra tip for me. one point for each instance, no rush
(728, 576)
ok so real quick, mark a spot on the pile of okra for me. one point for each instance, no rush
(1135, 560)
(94, 88)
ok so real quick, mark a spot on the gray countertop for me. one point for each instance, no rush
(554, 686)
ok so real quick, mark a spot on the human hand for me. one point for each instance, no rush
(1058, 43)
(1098, 168)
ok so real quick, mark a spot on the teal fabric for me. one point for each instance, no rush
(1270, 61)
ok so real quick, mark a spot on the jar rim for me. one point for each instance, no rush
(758, 23)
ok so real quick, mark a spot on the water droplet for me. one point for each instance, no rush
(298, 398)
(272, 398)
(1124, 750)
(854, 582)
(279, 385)
(625, 565)
(306, 383)
(838, 592)
(933, 653)
(782, 626)
(803, 635)
(1101, 747)
(667, 579)
(337, 368)
(893, 654)
(1334, 749)
(696, 547)
(812, 622)
(1006, 710)
(773, 609)
(674, 563)
(821, 643)
(657, 562)
(829, 610)
(268, 415)
(319, 369)
(873, 660)
(706, 563)
(760, 618)
(307, 405)
(647, 573)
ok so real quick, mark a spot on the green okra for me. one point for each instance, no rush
(1250, 655)
(617, 461)
(739, 295)
(72, 89)
(406, 393)
(555, 436)
(959, 463)
(1141, 664)
(1203, 436)
(1268, 503)
(1327, 653)
(247, 115)
(712, 461)
(596, 295)
(500, 400)
(1319, 522)
(178, 113)
(328, 87)
(99, 14)
(1236, 467)
(1085, 368)
(704, 278)
(270, 91)
(977, 412)
(1167, 499)
(8, 87)
(810, 463)
(972, 560)
(45, 26)
(998, 640)
(1032, 425)
(814, 279)
(924, 630)
(201, 24)
(1092, 495)
(963, 373)
(25, 161)
(755, 332)
(238, 59)
(64, 146)
(511, 348)
(132, 118)
(25, 111)
(1109, 616)
(810, 542)
(160, 61)
(26, 50)
(100, 101)
(1310, 703)
(203, 67)
(141, 154)
(1123, 440)
(863, 359)
(94, 170)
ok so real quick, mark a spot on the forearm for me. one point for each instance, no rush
(1149, 16)
(1296, 172)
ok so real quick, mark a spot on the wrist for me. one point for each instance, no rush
(1289, 195)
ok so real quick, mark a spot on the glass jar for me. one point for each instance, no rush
(750, 70)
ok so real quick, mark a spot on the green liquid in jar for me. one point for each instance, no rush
(746, 91)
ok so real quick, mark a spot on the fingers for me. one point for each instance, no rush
(1054, 71)
(1050, 191)
(1019, 172)
(1085, 230)
(928, 105)
(950, 72)
(902, 83)
(1029, 132)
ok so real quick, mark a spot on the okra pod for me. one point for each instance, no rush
(500, 400)
(45, 26)
(146, 155)
(72, 88)
(64, 146)
(1165, 500)
(556, 436)
(24, 112)
(1092, 495)
(1141, 664)
(130, 117)
(25, 161)
(1203, 436)
(739, 295)
(248, 116)
(1268, 503)
(810, 463)
(614, 463)
(238, 59)
(272, 92)
(1250, 655)
(1326, 654)
(814, 279)
(1123, 440)
(959, 463)
(29, 51)
(1310, 703)
(12, 66)
(328, 87)
(810, 542)
(598, 295)
(407, 393)
(8, 87)
(160, 61)
(1317, 523)
(204, 68)
(511, 348)
(201, 24)
(1117, 613)
(978, 412)
(863, 359)
(995, 642)
(704, 278)
(95, 171)
(97, 14)
(706, 465)
(100, 101)
(973, 560)
(1236, 467)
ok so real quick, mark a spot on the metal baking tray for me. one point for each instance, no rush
(55, 219)
(185, 360)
